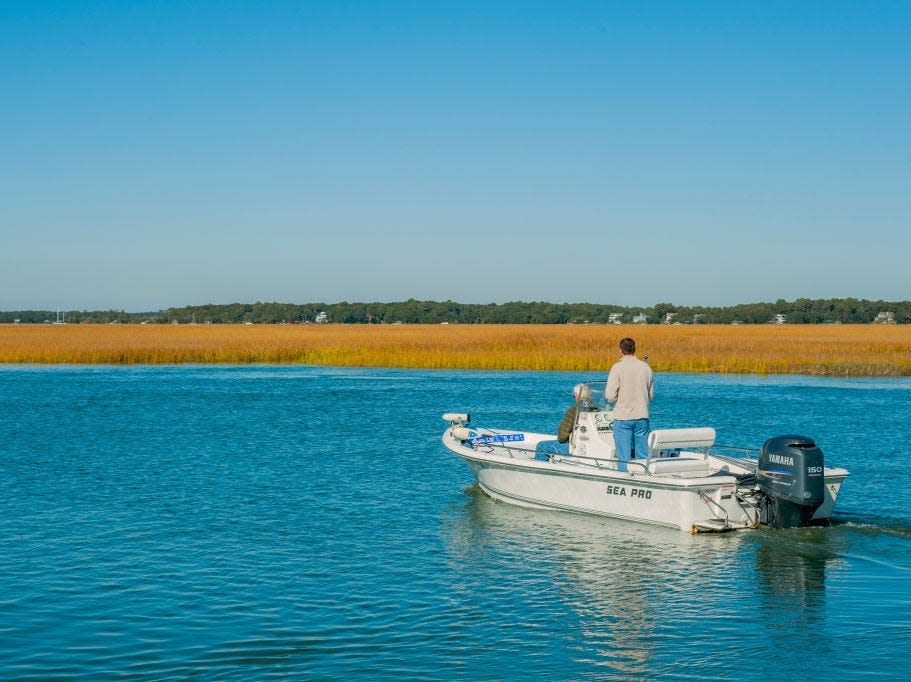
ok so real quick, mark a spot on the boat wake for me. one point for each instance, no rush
(874, 525)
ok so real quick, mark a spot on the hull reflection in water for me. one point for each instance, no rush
(644, 602)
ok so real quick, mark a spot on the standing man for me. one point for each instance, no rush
(630, 388)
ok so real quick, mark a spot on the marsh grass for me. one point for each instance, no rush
(835, 350)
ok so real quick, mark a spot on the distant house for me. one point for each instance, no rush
(886, 317)
(615, 318)
(321, 318)
(641, 318)
(669, 317)
(779, 319)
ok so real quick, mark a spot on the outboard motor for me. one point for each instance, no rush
(790, 473)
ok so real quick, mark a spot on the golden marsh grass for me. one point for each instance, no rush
(836, 350)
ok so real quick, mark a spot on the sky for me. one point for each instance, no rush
(159, 154)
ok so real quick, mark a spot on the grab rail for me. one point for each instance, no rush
(575, 460)
(596, 462)
(710, 503)
(735, 448)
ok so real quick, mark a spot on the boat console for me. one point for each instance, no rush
(592, 436)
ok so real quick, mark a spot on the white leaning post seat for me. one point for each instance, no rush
(679, 439)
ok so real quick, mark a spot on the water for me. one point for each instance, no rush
(244, 523)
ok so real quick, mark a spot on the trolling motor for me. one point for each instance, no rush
(790, 475)
(458, 420)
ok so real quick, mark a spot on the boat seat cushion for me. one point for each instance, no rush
(678, 464)
(671, 439)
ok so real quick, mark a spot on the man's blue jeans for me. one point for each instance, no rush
(630, 433)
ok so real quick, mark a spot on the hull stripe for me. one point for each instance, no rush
(494, 492)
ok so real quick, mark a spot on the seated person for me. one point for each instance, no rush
(582, 395)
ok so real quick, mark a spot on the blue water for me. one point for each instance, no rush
(244, 523)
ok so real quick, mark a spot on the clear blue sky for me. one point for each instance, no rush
(157, 154)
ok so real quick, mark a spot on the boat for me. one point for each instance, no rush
(684, 481)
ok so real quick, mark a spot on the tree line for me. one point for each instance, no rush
(799, 311)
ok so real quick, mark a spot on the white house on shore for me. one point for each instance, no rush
(321, 318)
(885, 317)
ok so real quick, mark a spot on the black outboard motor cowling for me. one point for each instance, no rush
(790, 473)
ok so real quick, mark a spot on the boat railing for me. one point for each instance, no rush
(611, 463)
(741, 452)
(510, 449)
(514, 451)
(491, 440)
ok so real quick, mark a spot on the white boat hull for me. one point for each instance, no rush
(690, 501)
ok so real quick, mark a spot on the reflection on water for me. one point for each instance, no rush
(794, 566)
(640, 593)
(602, 571)
(791, 570)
